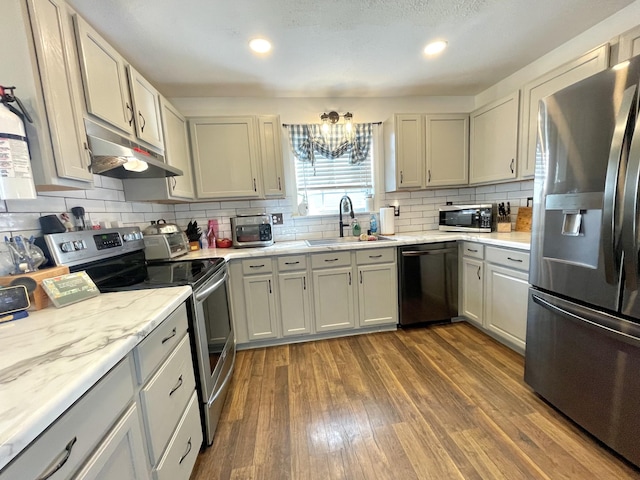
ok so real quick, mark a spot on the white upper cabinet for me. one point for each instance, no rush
(114, 91)
(404, 152)
(447, 149)
(225, 157)
(39, 59)
(176, 150)
(176, 154)
(270, 136)
(494, 141)
(592, 62)
(146, 105)
(104, 78)
(629, 45)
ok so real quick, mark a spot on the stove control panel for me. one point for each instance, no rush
(78, 248)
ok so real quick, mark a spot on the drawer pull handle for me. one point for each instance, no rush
(60, 463)
(178, 385)
(331, 260)
(479, 273)
(360, 277)
(304, 283)
(375, 256)
(270, 286)
(472, 250)
(186, 453)
(291, 263)
(256, 266)
(349, 278)
(173, 334)
(514, 259)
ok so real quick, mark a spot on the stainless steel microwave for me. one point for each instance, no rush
(467, 218)
(252, 231)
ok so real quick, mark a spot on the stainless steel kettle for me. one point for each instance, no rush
(161, 227)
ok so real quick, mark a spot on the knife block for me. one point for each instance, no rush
(38, 297)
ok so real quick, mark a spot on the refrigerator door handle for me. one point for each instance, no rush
(600, 326)
(630, 212)
(610, 235)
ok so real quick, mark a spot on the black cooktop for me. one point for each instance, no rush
(132, 272)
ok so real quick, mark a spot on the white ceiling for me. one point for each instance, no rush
(336, 48)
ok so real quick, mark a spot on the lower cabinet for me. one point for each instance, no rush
(121, 455)
(472, 297)
(296, 295)
(506, 306)
(140, 420)
(494, 291)
(377, 287)
(333, 299)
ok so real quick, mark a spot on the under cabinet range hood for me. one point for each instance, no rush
(115, 156)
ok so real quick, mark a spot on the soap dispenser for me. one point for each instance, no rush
(355, 227)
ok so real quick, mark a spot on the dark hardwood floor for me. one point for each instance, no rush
(440, 402)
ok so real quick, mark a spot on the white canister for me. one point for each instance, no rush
(387, 221)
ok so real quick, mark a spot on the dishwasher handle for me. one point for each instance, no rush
(418, 253)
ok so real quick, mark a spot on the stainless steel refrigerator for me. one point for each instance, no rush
(583, 322)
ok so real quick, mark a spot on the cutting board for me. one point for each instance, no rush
(38, 298)
(523, 221)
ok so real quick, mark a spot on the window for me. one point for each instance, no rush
(327, 180)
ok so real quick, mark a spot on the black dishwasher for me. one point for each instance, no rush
(428, 283)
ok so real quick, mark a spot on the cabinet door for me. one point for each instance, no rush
(472, 290)
(225, 161)
(146, 105)
(629, 45)
(377, 295)
(404, 155)
(447, 150)
(557, 79)
(121, 454)
(104, 77)
(260, 307)
(494, 141)
(58, 73)
(333, 299)
(295, 305)
(176, 150)
(269, 132)
(506, 308)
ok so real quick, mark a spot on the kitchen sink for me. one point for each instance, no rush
(341, 240)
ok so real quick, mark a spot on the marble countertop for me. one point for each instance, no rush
(52, 357)
(519, 240)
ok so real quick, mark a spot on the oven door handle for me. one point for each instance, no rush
(200, 296)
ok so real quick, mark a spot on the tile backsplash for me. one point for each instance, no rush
(106, 203)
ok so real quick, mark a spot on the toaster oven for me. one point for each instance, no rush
(252, 231)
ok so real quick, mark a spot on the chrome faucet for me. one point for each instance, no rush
(342, 224)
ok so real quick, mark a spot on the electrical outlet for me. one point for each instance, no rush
(276, 218)
(396, 210)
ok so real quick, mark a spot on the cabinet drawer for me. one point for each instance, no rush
(509, 258)
(78, 431)
(331, 259)
(256, 265)
(375, 255)
(160, 343)
(292, 262)
(180, 457)
(474, 250)
(165, 396)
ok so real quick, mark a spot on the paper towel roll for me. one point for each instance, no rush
(387, 221)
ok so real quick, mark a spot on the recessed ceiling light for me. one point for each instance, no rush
(260, 45)
(435, 47)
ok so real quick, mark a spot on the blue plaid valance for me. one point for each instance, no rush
(305, 140)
